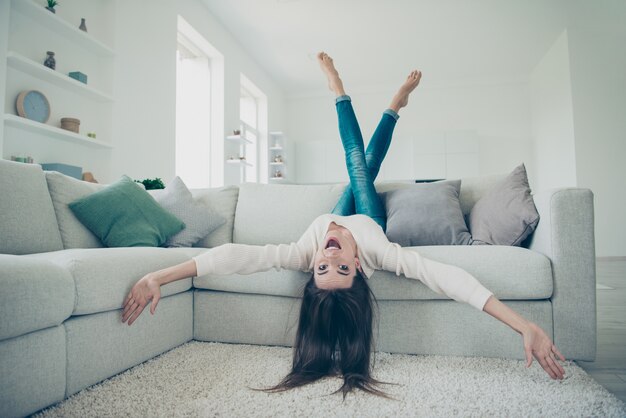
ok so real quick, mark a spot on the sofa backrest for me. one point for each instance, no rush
(472, 188)
(280, 213)
(27, 222)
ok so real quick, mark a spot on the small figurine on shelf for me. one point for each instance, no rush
(50, 62)
(83, 25)
(237, 132)
(91, 135)
(278, 174)
(278, 159)
(51, 5)
(242, 158)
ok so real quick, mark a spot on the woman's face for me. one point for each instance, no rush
(336, 261)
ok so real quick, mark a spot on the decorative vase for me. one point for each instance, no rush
(51, 9)
(50, 62)
(82, 26)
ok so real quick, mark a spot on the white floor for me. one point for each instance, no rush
(609, 369)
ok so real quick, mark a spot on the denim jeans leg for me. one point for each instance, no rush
(374, 156)
(366, 200)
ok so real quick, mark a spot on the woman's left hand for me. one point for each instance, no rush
(537, 343)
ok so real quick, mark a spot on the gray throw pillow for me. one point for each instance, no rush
(199, 218)
(506, 215)
(426, 214)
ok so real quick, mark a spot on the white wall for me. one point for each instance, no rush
(472, 129)
(144, 112)
(553, 119)
(598, 70)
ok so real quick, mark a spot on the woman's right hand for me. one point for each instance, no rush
(145, 290)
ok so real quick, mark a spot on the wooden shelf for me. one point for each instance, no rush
(239, 162)
(43, 17)
(276, 148)
(52, 132)
(239, 139)
(277, 178)
(275, 163)
(26, 65)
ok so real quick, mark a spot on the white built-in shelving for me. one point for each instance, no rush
(239, 139)
(26, 65)
(38, 13)
(240, 162)
(277, 158)
(52, 131)
(35, 30)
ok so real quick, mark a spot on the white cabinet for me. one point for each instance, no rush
(424, 156)
(32, 32)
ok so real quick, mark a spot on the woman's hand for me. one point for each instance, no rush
(145, 290)
(537, 343)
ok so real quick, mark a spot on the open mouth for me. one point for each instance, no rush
(333, 244)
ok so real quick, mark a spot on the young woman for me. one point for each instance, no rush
(342, 249)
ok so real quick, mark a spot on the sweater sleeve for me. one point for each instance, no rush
(246, 259)
(441, 278)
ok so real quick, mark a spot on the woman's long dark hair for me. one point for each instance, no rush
(334, 338)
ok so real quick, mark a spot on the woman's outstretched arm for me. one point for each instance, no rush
(226, 259)
(536, 342)
(148, 289)
(461, 286)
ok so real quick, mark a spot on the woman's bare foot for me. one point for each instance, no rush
(401, 98)
(334, 82)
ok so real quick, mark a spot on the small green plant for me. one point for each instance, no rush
(52, 3)
(152, 184)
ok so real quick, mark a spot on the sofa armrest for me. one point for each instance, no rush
(565, 234)
(34, 294)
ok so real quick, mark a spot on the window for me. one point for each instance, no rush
(248, 114)
(199, 115)
(253, 119)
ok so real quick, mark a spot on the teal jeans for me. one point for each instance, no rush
(360, 195)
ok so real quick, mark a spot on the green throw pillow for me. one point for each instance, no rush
(124, 215)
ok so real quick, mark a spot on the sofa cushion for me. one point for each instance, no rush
(28, 224)
(124, 215)
(104, 276)
(34, 294)
(426, 214)
(509, 272)
(64, 190)
(222, 200)
(276, 213)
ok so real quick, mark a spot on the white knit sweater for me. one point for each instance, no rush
(375, 252)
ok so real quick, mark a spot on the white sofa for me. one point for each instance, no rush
(60, 295)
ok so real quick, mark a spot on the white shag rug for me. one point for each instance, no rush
(212, 379)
